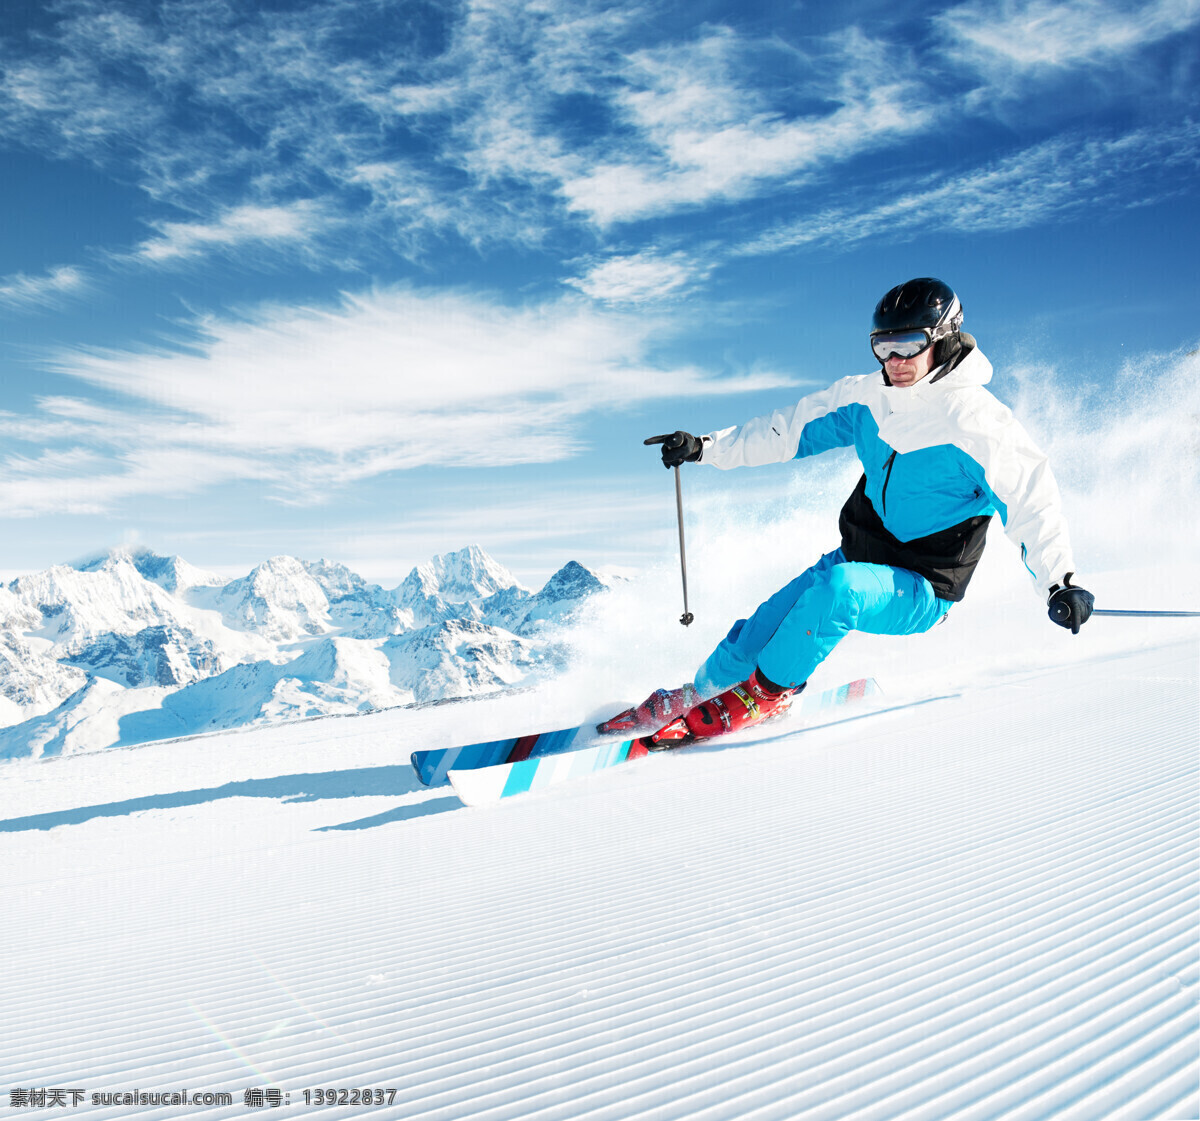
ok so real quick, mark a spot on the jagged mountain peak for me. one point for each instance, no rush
(336, 580)
(112, 595)
(107, 558)
(175, 574)
(572, 581)
(279, 599)
(171, 573)
(279, 574)
(559, 599)
(468, 574)
(280, 565)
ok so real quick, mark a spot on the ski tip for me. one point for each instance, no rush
(420, 761)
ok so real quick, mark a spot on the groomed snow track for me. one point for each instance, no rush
(980, 908)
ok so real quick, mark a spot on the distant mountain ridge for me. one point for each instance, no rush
(132, 646)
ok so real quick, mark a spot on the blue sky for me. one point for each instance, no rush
(370, 280)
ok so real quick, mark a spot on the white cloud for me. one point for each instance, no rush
(1056, 180)
(523, 115)
(80, 481)
(297, 224)
(510, 120)
(708, 135)
(307, 400)
(19, 292)
(1047, 34)
(641, 277)
(224, 114)
(91, 457)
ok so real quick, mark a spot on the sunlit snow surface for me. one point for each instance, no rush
(980, 907)
(985, 906)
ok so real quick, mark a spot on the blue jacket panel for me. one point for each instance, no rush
(916, 494)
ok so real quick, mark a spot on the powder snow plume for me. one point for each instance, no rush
(1126, 451)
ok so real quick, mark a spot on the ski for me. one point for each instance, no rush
(432, 766)
(481, 783)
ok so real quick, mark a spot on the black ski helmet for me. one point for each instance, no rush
(925, 302)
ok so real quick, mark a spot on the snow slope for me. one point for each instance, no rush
(984, 906)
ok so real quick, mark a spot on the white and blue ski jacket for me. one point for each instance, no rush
(939, 458)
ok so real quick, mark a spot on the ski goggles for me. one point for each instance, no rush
(912, 341)
(902, 344)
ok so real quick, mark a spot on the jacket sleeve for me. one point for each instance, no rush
(1017, 476)
(814, 424)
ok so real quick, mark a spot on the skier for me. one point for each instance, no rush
(940, 456)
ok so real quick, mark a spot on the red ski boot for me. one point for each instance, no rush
(743, 706)
(662, 706)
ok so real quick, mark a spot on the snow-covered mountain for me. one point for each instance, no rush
(279, 600)
(185, 651)
(469, 574)
(171, 573)
(30, 681)
(158, 655)
(463, 658)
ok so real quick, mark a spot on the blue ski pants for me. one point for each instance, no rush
(795, 630)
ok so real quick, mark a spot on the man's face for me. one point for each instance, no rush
(903, 372)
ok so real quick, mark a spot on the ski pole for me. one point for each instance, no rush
(687, 617)
(1150, 614)
(1061, 613)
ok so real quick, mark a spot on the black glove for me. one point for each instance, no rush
(1070, 606)
(678, 447)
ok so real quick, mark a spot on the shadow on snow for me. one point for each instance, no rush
(388, 781)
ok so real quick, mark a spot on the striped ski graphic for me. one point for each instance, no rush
(490, 784)
(432, 766)
(480, 783)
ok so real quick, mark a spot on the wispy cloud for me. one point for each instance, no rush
(1056, 180)
(87, 482)
(349, 132)
(304, 401)
(1055, 34)
(639, 278)
(90, 458)
(19, 292)
(230, 116)
(496, 123)
(297, 225)
(707, 134)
